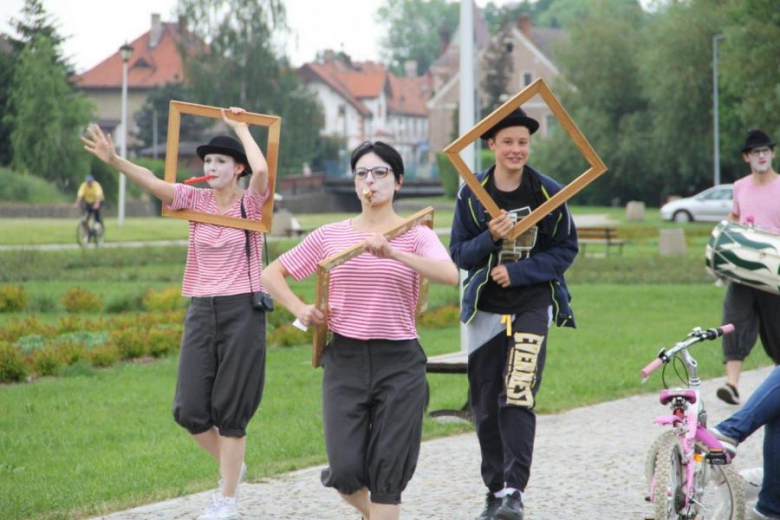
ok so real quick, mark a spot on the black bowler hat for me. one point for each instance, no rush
(755, 139)
(517, 117)
(225, 145)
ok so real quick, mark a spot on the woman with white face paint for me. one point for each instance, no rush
(373, 388)
(222, 359)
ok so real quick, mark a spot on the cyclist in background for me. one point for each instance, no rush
(90, 198)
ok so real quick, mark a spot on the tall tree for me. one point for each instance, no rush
(7, 66)
(412, 31)
(47, 117)
(498, 68)
(244, 68)
(35, 21)
(158, 101)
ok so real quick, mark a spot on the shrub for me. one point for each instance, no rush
(20, 187)
(163, 342)
(444, 316)
(450, 180)
(279, 317)
(46, 361)
(31, 343)
(79, 368)
(12, 366)
(13, 298)
(104, 355)
(81, 300)
(287, 336)
(69, 324)
(43, 303)
(125, 303)
(15, 329)
(89, 340)
(70, 352)
(167, 299)
(129, 342)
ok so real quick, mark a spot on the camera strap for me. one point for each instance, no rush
(248, 249)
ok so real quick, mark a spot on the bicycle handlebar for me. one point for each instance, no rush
(695, 336)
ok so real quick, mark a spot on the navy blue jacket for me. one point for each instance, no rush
(473, 249)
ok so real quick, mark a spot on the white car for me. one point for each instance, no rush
(711, 205)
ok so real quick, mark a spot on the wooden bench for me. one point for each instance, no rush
(452, 363)
(605, 235)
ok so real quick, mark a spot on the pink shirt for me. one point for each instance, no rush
(216, 255)
(760, 201)
(369, 297)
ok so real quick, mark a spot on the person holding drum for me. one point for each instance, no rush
(753, 311)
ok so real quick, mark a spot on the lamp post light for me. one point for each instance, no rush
(125, 51)
(715, 131)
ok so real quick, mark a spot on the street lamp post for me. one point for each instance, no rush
(125, 51)
(715, 131)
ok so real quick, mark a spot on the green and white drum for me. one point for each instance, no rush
(745, 255)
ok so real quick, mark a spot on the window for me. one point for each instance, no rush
(528, 78)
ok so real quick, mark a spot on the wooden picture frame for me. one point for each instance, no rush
(597, 166)
(424, 217)
(273, 123)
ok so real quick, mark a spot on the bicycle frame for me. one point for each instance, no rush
(688, 416)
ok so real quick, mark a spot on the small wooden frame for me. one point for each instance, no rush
(424, 217)
(597, 166)
(273, 123)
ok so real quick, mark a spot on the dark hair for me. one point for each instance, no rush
(384, 151)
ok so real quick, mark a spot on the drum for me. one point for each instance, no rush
(744, 254)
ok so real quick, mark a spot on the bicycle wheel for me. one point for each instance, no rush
(98, 234)
(719, 494)
(669, 474)
(652, 453)
(82, 237)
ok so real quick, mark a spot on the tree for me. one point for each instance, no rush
(7, 66)
(243, 68)
(190, 128)
(498, 68)
(412, 31)
(35, 21)
(47, 116)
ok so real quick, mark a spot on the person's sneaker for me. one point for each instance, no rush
(511, 507)
(728, 393)
(729, 443)
(240, 480)
(221, 508)
(758, 515)
(491, 506)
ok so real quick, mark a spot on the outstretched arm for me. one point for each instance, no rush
(102, 146)
(254, 155)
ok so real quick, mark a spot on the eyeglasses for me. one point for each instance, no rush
(756, 152)
(379, 172)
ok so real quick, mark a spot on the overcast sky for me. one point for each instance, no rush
(95, 29)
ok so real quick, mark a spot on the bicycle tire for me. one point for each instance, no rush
(668, 495)
(728, 485)
(81, 239)
(99, 234)
(652, 454)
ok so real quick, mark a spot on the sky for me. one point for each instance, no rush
(96, 29)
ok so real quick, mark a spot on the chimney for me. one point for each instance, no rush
(156, 33)
(329, 55)
(524, 24)
(410, 68)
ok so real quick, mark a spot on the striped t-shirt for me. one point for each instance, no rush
(369, 297)
(216, 255)
(762, 202)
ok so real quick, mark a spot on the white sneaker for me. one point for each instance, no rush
(752, 480)
(221, 508)
(240, 480)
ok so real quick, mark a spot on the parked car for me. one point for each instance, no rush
(711, 205)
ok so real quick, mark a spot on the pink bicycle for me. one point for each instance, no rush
(688, 471)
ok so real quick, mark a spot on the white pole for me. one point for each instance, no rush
(123, 147)
(466, 108)
(715, 129)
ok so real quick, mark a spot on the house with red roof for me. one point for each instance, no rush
(155, 61)
(365, 101)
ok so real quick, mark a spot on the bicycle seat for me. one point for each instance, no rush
(669, 394)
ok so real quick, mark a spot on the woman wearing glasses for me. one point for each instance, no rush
(373, 388)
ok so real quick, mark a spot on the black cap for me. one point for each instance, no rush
(755, 139)
(517, 117)
(225, 145)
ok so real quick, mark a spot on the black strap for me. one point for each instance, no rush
(247, 247)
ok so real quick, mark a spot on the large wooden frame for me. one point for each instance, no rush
(273, 123)
(424, 217)
(597, 166)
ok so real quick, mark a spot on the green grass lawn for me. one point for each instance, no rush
(105, 440)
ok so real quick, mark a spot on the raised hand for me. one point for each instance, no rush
(232, 123)
(99, 144)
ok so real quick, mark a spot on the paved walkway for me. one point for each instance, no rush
(588, 464)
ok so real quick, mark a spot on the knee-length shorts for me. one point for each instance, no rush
(221, 365)
(373, 400)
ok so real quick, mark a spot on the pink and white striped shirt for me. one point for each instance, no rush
(760, 201)
(369, 297)
(216, 255)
